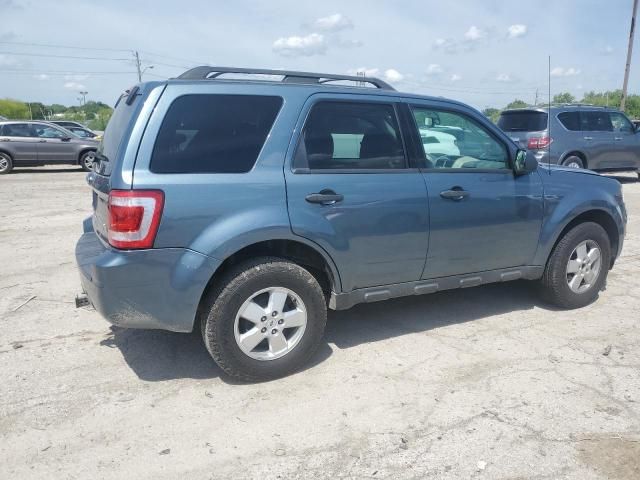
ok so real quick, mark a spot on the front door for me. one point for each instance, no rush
(54, 145)
(482, 217)
(351, 190)
(598, 139)
(626, 141)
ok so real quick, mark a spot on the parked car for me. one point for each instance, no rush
(581, 136)
(245, 208)
(33, 143)
(77, 128)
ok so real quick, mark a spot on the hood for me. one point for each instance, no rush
(561, 168)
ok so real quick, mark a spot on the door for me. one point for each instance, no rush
(598, 139)
(19, 139)
(626, 142)
(54, 145)
(351, 190)
(482, 217)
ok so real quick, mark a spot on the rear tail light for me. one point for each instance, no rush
(134, 217)
(536, 143)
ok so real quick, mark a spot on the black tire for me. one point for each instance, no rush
(573, 160)
(6, 163)
(86, 160)
(555, 287)
(239, 284)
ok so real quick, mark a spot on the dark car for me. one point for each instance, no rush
(579, 136)
(33, 143)
(244, 209)
(77, 128)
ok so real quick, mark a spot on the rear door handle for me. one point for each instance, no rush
(588, 138)
(617, 138)
(456, 193)
(5, 140)
(42, 141)
(324, 197)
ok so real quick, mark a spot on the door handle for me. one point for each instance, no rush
(588, 138)
(324, 197)
(456, 193)
(617, 138)
(42, 141)
(5, 140)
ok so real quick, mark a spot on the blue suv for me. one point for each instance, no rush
(244, 203)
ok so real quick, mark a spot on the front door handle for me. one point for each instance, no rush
(588, 138)
(617, 138)
(42, 141)
(324, 197)
(456, 193)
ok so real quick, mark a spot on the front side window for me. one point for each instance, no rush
(213, 133)
(453, 140)
(350, 136)
(620, 123)
(17, 130)
(595, 121)
(45, 131)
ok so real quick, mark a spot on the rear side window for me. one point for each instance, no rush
(18, 130)
(350, 136)
(523, 121)
(570, 120)
(213, 133)
(596, 121)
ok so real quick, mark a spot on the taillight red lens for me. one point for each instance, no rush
(536, 143)
(134, 217)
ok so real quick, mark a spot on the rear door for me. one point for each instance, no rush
(482, 217)
(598, 139)
(626, 141)
(19, 139)
(54, 144)
(351, 190)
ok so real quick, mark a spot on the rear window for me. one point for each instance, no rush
(213, 133)
(570, 120)
(525, 121)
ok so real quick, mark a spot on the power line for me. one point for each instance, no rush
(64, 56)
(60, 72)
(46, 45)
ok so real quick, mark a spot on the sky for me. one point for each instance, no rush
(485, 53)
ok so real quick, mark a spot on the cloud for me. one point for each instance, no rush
(309, 45)
(76, 78)
(333, 23)
(564, 72)
(448, 45)
(392, 75)
(41, 76)
(7, 61)
(455, 77)
(517, 30)
(474, 34)
(434, 69)
(74, 86)
(504, 77)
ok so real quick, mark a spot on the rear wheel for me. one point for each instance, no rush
(6, 163)
(264, 320)
(573, 162)
(577, 268)
(86, 160)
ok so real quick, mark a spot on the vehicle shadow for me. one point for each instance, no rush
(622, 179)
(156, 355)
(65, 169)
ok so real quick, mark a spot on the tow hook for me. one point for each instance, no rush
(82, 300)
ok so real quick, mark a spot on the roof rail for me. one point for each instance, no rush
(211, 73)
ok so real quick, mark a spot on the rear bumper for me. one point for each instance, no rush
(156, 289)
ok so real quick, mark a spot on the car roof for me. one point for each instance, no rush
(562, 108)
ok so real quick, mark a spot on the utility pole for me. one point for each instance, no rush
(629, 50)
(536, 102)
(138, 65)
(84, 97)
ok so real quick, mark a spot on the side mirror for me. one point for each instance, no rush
(525, 163)
(65, 139)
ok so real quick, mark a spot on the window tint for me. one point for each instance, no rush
(213, 133)
(453, 140)
(46, 131)
(570, 120)
(620, 123)
(595, 121)
(18, 130)
(346, 136)
(523, 121)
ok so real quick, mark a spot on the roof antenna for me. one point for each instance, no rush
(549, 121)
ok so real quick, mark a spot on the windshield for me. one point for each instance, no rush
(523, 121)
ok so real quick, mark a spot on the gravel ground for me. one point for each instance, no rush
(476, 383)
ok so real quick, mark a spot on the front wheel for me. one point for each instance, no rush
(6, 164)
(264, 320)
(573, 162)
(86, 161)
(577, 268)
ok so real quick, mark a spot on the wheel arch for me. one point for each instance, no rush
(576, 153)
(83, 151)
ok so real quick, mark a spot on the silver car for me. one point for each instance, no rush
(579, 136)
(34, 143)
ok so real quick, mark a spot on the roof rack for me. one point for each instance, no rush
(211, 73)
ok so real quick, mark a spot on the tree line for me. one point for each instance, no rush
(601, 99)
(94, 115)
